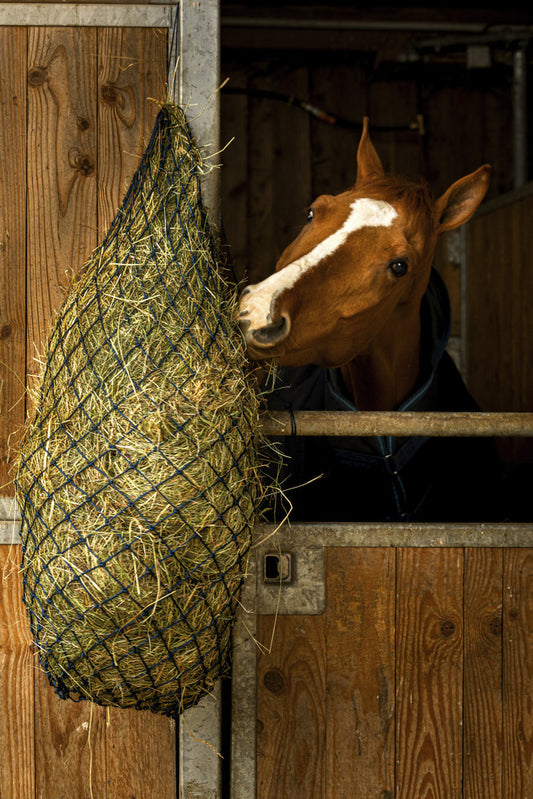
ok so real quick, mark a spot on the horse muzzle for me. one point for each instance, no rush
(263, 333)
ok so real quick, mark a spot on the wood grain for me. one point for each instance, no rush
(73, 72)
(131, 84)
(360, 673)
(262, 245)
(334, 149)
(429, 675)
(61, 226)
(140, 755)
(483, 671)
(61, 232)
(291, 709)
(234, 175)
(499, 285)
(12, 247)
(292, 155)
(17, 769)
(518, 674)
(131, 78)
(69, 746)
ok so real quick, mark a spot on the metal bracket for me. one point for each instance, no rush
(291, 582)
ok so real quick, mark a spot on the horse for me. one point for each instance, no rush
(356, 318)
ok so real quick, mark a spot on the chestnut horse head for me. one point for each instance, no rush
(347, 291)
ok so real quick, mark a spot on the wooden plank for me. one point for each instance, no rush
(396, 103)
(291, 178)
(517, 677)
(61, 232)
(61, 169)
(291, 727)
(140, 759)
(17, 772)
(131, 84)
(234, 175)
(360, 673)
(499, 284)
(69, 746)
(263, 250)
(12, 247)
(429, 673)
(334, 148)
(483, 669)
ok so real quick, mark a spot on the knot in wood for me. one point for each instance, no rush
(5, 331)
(36, 76)
(81, 162)
(447, 628)
(274, 681)
(109, 94)
(83, 124)
(496, 625)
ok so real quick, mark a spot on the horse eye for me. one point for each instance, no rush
(398, 268)
(310, 215)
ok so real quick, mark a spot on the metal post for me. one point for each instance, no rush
(195, 83)
(194, 79)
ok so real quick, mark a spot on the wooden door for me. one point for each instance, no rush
(415, 678)
(77, 108)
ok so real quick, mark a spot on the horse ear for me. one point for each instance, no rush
(368, 163)
(459, 202)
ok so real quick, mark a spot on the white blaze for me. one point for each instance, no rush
(364, 212)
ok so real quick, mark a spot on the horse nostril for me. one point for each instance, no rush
(272, 333)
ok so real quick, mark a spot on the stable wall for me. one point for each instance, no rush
(77, 107)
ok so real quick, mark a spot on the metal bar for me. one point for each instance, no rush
(199, 747)
(194, 79)
(244, 691)
(86, 15)
(9, 521)
(301, 23)
(196, 88)
(381, 534)
(505, 200)
(396, 423)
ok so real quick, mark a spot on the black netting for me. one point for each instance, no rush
(138, 479)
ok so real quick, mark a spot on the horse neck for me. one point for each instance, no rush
(382, 376)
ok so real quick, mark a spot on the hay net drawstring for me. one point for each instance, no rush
(138, 477)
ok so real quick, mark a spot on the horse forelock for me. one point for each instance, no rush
(414, 196)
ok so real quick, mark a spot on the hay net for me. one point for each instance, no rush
(138, 477)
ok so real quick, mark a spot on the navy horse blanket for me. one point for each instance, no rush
(388, 479)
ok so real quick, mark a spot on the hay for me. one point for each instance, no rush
(138, 479)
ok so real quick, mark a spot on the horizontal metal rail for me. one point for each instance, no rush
(123, 15)
(396, 423)
(300, 535)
